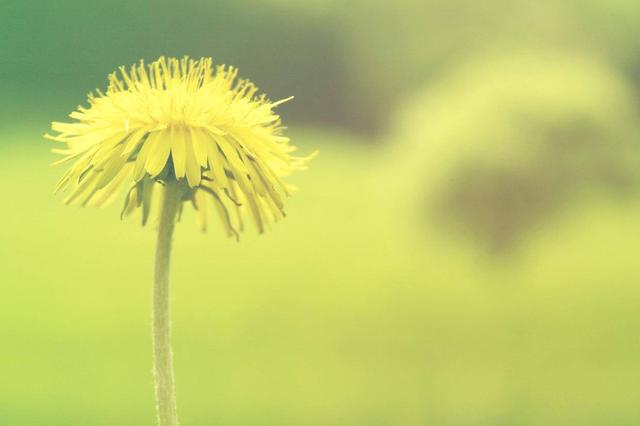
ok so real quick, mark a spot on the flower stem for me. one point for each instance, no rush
(162, 354)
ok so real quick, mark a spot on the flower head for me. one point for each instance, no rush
(184, 120)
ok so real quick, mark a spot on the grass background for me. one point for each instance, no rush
(341, 315)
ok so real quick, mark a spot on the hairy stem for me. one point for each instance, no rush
(162, 353)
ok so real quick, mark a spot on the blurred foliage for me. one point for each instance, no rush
(393, 47)
(349, 63)
(499, 146)
(56, 52)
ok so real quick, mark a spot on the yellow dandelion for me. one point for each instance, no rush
(172, 132)
(184, 121)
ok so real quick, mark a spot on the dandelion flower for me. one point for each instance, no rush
(171, 132)
(184, 121)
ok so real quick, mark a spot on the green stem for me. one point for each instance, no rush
(163, 357)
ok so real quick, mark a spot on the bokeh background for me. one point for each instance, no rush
(464, 251)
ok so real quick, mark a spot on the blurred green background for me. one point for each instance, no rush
(463, 251)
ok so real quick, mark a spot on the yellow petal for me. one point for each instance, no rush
(237, 167)
(138, 171)
(199, 149)
(217, 162)
(134, 140)
(112, 168)
(178, 152)
(159, 152)
(192, 166)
